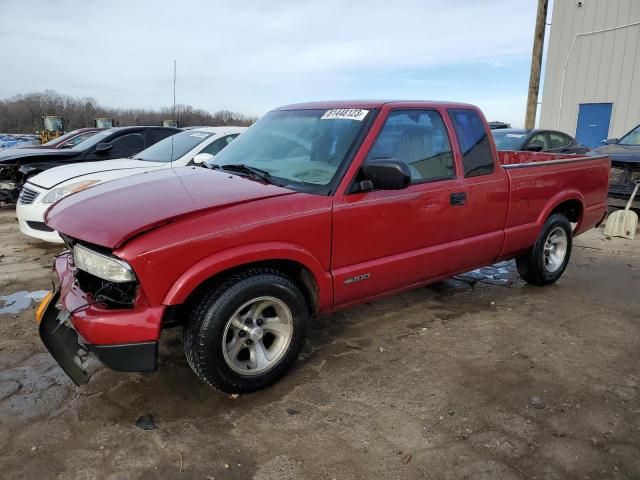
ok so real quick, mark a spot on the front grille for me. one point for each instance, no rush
(617, 175)
(27, 196)
(41, 226)
(635, 175)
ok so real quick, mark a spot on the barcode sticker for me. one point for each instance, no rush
(345, 114)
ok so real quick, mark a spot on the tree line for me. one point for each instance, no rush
(23, 113)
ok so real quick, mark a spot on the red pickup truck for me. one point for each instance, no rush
(316, 207)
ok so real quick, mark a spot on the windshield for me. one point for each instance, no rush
(61, 138)
(91, 141)
(104, 122)
(173, 147)
(53, 124)
(508, 141)
(297, 147)
(631, 138)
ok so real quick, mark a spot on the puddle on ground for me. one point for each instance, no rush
(16, 302)
(501, 273)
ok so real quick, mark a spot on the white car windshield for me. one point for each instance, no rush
(173, 147)
(297, 147)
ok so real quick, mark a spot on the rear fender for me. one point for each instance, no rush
(246, 255)
(558, 199)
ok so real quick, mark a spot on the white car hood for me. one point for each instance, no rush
(55, 176)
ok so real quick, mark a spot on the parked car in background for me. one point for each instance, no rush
(536, 140)
(189, 147)
(10, 140)
(69, 139)
(498, 125)
(18, 164)
(315, 208)
(625, 167)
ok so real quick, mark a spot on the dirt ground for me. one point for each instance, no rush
(481, 377)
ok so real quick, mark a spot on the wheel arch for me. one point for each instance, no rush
(294, 261)
(568, 203)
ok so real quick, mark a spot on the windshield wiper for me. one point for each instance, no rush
(246, 169)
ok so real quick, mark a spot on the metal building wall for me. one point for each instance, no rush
(602, 67)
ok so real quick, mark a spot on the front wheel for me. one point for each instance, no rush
(546, 261)
(247, 332)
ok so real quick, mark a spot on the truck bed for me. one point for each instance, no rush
(540, 181)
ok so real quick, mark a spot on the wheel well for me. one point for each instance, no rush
(572, 209)
(297, 272)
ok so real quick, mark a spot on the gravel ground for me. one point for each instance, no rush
(480, 377)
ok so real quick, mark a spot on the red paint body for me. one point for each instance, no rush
(179, 227)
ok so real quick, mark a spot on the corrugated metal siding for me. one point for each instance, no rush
(602, 68)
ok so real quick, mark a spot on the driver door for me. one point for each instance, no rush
(387, 240)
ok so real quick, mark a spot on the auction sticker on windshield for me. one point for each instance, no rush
(345, 114)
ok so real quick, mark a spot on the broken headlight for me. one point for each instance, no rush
(102, 266)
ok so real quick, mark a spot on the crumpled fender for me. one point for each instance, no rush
(247, 254)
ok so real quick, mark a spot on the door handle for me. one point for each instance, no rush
(458, 198)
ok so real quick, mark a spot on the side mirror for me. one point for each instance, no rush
(387, 174)
(610, 141)
(103, 147)
(534, 147)
(202, 158)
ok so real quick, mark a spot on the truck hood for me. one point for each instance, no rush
(619, 153)
(11, 154)
(55, 176)
(111, 213)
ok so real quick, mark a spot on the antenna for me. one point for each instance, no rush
(174, 108)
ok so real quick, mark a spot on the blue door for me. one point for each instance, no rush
(593, 123)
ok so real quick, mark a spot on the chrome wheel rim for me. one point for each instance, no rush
(555, 249)
(257, 336)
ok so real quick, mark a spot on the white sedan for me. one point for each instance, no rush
(189, 147)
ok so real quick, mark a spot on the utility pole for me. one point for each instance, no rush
(536, 64)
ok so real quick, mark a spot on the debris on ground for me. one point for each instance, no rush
(145, 422)
(536, 402)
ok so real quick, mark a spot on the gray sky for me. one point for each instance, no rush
(251, 56)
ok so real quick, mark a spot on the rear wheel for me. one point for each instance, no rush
(247, 332)
(548, 258)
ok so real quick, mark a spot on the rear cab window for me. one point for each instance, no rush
(473, 139)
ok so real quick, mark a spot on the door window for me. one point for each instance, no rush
(217, 145)
(76, 140)
(418, 138)
(157, 134)
(127, 144)
(558, 140)
(477, 157)
(539, 139)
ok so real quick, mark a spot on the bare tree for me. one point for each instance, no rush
(23, 113)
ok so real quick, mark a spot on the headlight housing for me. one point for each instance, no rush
(102, 266)
(61, 192)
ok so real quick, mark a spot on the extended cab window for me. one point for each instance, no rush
(477, 157)
(418, 138)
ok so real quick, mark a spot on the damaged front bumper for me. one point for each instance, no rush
(9, 192)
(64, 331)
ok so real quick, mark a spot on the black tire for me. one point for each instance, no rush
(532, 267)
(204, 332)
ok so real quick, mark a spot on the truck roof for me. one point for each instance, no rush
(370, 104)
